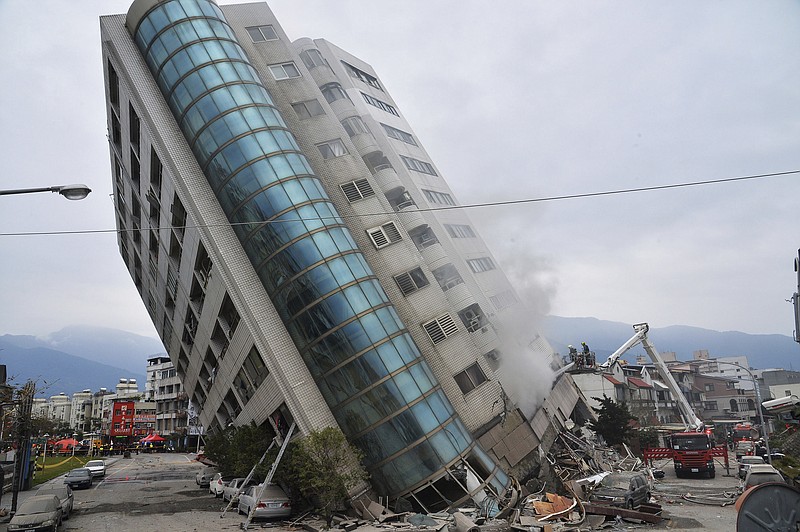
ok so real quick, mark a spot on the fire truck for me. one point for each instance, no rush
(693, 449)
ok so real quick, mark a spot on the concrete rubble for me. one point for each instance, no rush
(559, 502)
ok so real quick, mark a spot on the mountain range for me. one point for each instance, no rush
(84, 357)
(763, 351)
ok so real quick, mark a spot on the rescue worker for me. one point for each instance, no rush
(585, 348)
(573, 353)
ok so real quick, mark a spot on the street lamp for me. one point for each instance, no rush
(71, 192)
(758, 404)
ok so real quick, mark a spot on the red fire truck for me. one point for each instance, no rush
(692, 450)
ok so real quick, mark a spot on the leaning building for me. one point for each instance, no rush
(301, 256)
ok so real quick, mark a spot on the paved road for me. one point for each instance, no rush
(145, 492)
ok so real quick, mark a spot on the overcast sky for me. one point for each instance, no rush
(523, 99)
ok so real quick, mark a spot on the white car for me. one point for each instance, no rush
(97, 467)
(272, 503)
(229, 491)
(217, 485)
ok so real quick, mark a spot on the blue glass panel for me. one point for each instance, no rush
(174, 11)
(214, 49)
(417, 463)
(437, 404)
(297, 163)
(391, 359)
(194, 85)
(286, 141)
(158, 18)
(210, 76)
(233, 154)
(198, 54)
(421, 378)
(181, 62)
(202, 28)
(192, 121)
(444, 444)
(240, 95)
(236, 123)
(169, 75)
(386, 479)
(388, 324)
(170, 41)
(191, 8)
(208, 10)
(408, 427)
(355, 295)
(424, 416)
(409, 389)
(373, 327)
(267, 141)
(353, 262)
(157, 55)
(407, 349)
(222, 98)
(357, 335)
(145, 33)
(185, 33)
(281, 166)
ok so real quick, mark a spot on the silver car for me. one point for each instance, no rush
(229, 491)
(97, 467)
(272, 503)
(40, 512)
(64, 494)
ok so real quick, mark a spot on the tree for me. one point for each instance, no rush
(237, 449)
(613, 421)
(325, 467)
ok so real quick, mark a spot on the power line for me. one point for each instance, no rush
(444, 208)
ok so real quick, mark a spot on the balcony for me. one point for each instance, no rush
(434, 255)
(485, 338)
(365, 143)
(387, 178)
(459, 296)
(409, 215)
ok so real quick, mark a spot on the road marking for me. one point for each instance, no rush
(115, 473)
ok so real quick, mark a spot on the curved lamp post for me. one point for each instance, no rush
(758, 405)
(71, 192)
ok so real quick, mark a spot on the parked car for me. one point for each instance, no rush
(229, 491)
(203, 477)
(79, 478)
(745, 448)
(64, 494)
(97, 467)
(273, 502)
(761, 473)
(38, 513)
(746, 461)
(628, 489)
(217, 484)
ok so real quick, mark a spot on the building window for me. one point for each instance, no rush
(134, 130)
(482, 264)
(379, 104)
(384, 235)
(332, 148)
(359, 74)
(308, 109)
(503, 299)
(135, 168)
(709, 387)
(439, 197)
(459, 231)
(734, 405)
(399, 134)
(113, 86)
(447, 276)
(284, 71)
(355, 126)
(411, 281)
(312, 58)
(418, 166)
(332, 92)
(470, 378)
(262, 33)
(440, 328)
(356, 190)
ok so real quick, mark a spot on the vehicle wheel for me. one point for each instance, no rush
(629, 504)
(712, 474)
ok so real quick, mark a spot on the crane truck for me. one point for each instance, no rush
(693, 449)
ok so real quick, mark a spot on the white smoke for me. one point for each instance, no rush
(526, 359)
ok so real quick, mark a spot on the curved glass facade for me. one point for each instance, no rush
(368, 368)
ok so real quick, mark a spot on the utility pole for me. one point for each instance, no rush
(23, 440)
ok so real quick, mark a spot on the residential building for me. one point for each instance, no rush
(60, 408)
(81, 410)
(302, 257)
(164, 388)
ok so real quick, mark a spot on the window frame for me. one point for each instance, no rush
(326, 149)
(307, 106)
(357, 190)
(411, 281)
(261, 33)
(481, 264)
(467, 378)
(385, 235)
(283, 66)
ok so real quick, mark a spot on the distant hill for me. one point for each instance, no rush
(111, 347)
(604, 337)
(57, 371)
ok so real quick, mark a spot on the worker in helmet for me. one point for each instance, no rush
(573, 353)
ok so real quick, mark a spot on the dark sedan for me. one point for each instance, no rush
(79, 478)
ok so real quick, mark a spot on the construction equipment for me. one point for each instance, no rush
(692, 450)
